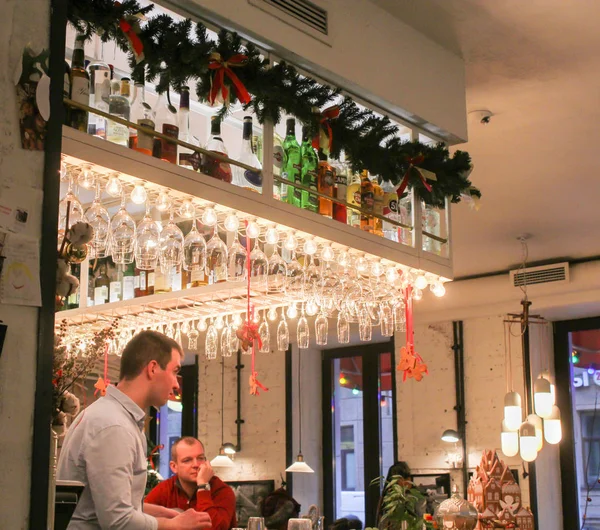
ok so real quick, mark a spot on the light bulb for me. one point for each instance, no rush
(272, 236)
(310, 247)
(209, 217)
(252, 230)
(421, 282)
(536, 421)
(114, 187)
(312, 308)
(272, 314)
(139, 195)
(417, 294)
(202, 325)
(553, 427)
(219, 323)
(509, 441)
(391, 275)
(163, 202)
(86, 178)
(376, 269)
(513, 414)
(327, 253)
(408, 278)
(542, 397)
(362, 265)
(232, 223)
(290, 242)
(187, 209)
(343, 259)
(438, 289)
(527, 442)
(237, 320)
(292, 311)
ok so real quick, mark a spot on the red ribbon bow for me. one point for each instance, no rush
(330, 113)
(222, 67)
(130, 31)
(413, 163)
(248, 333)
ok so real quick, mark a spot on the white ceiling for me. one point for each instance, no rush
(536, 65)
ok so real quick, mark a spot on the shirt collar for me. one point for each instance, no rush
(127, 403)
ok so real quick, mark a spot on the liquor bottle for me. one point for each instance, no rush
(309, 173)
(244, 177)
(211, 166)
(278, 159)
(67, 91)
(377, 206)
(129, 282)
(367, 202)
(73, 299)
(151, 280)
(102, 285)
(325, 184)
(405, 214)
(186, 157)
(340, 192)
(162, 281)
(353, 197)
(198, 278)
(291, 165)
(390, 210)
(115, 274)
(176, 278)
(140, 282)
(166, 123)
(141, 113)
(80, 85)
(118, 105)
(92, 273)
(216, 259)
(99, 96)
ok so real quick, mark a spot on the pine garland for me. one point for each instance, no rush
(176, 52)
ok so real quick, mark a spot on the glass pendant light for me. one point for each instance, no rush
(222, 460)
(536, 421)
(542, 397)
(527, 442)
(509, 441)
(552, 427)
(513, 412)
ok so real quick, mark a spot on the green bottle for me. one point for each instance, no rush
(309, 174)
(292, 167)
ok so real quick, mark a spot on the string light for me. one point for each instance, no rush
(209, 217)
(232, 223)
(328, 254)
(290, 242)
(391, 274)
(272, 236)
(310, 247)
(252, 230)
(114, 187)
(272, 314)
(139, 195)
(417, 294)
(292, 311)
(163, 202)
(421, 282)
(187, 209)
(376, 269)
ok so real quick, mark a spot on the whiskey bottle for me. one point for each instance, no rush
(353, 197)
(186, 157)
(244, 177)
(340, 192)
(325, 185)
(377, 206)
(99, 95)
(211, 166)
(309, 174)
(141, 113)
(118, 105)
(80, 85)
(102, 285)
(291, 166)
(390, 210)
(166, 123)
(162, 281)
(140, 282)
(367, 202)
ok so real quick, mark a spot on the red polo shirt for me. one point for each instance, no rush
(219, 502)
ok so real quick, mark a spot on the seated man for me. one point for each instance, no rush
(193, 486)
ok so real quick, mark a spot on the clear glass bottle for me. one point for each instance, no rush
(186, 157)
(102, 284)
(80, 85)
(128, 282)
(166, 123)
(390, 210)
(118, 105)
(244, 177)
(141, 285)
(99, 94)
(115, 274)
(211, 166)
(162, 281)
(278, 158)
(309, 174)
(325, 185)
(141, 113)
(291, 165)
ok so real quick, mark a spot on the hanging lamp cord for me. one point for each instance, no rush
(299, 405)
(222, 395)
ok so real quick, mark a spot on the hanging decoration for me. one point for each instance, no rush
(411, 363)
(130, 26)
(323, 140)
(369, 141)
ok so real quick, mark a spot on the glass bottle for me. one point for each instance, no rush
(67, 91)
(367, 201)
(118, 105)
(141, 113)
(211, 166)
(115, 274)
(340, 212)
(353, 197)
(141, 285)
(176, 278)
(390, 210)
(102, 285)
(128, 282)
(278, 158)
(166, 123)
(186, 157)
(162, 281)
(309, 173)
(244, 177)
(291, 165)
(216, 259)
(405, 214)
(99, 94)
(325, 185)
(73, 299)
(377, 206)
(80, 85)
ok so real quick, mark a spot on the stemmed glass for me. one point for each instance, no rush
(259, 268)
(171, 245)
(234, 342)
(386, 317)
(237, 256)
(192, 336)
(122, 235)
(264, 334)
(75, 213)
(364, 324)
(303, 332)
(321, 329)
(399, 315)
(147, 242)
(194, 250)
(343, 328)
(99, 219)
(212, 341)
(295, 278)
(283, 334)
(216, 259)
(225, 333)
(277, 273)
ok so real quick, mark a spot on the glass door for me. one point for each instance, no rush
(359, 434)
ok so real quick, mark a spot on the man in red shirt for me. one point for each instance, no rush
(194, 485)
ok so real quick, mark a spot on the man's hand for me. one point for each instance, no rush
(191, 520)
(205, 473)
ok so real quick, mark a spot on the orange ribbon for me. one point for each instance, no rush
(103, 382)
(330, 113)
(411, 363)
(413, 163)
(216, 62)
(248, 333)
(255, 384)
(130, 32)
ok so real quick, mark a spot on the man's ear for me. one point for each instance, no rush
(151, 368)
(173, 466)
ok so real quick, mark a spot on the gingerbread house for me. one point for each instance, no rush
(524, 519)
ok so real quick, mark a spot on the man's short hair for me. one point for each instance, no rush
(146, 346)
(188, 440)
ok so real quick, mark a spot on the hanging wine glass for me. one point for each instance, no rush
(399, 315)
(311, 277)
(122, 235)
(364, 325)
(259, 268)
(194, 250)
(212, 341)
(192, 336)
(386, 317)
(216, 259)
(86, 178)
(283, 334)
(99, 219)
(343, 328)
(277, 274)
(170, 245)
(303, 332)
(75, 212)
(177, 336)
(234, 342)
(264, 334)
(237, 256)
(147, 242)
(295, 278)
(225, 332)
(321, 329)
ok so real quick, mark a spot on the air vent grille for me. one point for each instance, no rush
(306, 12)
(557, 273)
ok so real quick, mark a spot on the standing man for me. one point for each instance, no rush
(194, 485)
(105, 447)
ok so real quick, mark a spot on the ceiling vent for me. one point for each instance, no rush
(302, 14)
(555, 273)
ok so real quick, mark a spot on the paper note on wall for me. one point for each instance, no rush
(19, 209)
(20, 281)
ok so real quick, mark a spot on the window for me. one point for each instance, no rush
(590, 436)
(348, 458)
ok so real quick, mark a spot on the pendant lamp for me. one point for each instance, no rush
(222, 460)
(542, 397)
(527, 442)
(509, 440)
(552, 427)
(299, 466)
(536, 421)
